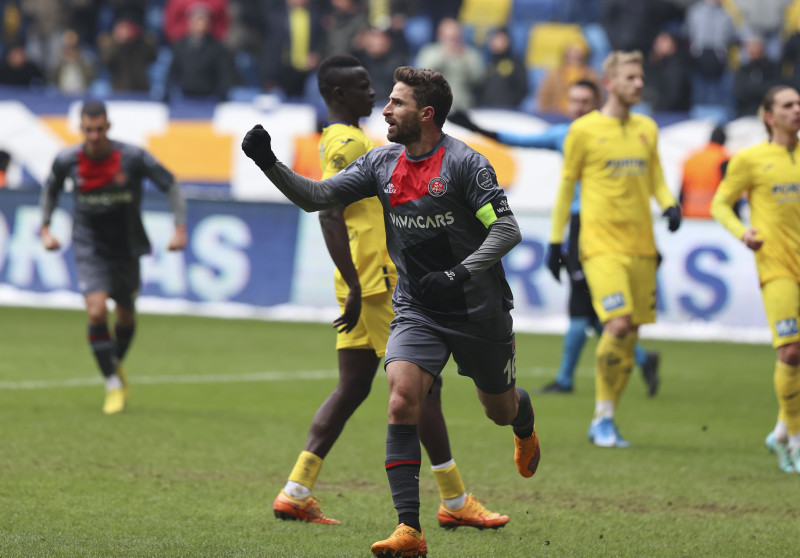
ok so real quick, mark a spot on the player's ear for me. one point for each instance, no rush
(428, 113)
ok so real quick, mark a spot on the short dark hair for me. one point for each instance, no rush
(330, 75)
(430, 90)
(589, 84)
(93, 109)
(718, 135)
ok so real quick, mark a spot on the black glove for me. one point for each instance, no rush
(461, 118)
(258, 146)
(673, 215)
(555, 260)
(438, 283)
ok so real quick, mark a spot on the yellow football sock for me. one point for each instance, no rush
(626, 366)
(448, 479)
(609, 359)
(787, 389)
(306, 470)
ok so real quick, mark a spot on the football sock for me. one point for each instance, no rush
(625, 367)
(780, 430)
(304, 475)
(104, 350)
(523, 422)
(640, 355)
(787, 389)
(403, 459)
(451, 488)
(603, 409)
(113, 382)
(124, 336)
(609, 359)
(574, 340)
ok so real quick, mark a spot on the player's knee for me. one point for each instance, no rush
(618, 327)
(790, 354)
(403, 408)
(501, 416)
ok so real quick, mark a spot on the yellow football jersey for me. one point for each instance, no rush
(340, 145)
(770, 174)
(619, 169)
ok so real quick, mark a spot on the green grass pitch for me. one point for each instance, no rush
(219, 411)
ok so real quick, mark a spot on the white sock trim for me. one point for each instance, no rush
(296, 490)
(444, 465)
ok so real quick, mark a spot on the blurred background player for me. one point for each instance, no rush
(614, 153)
(768, 172)
(702, 173)
(364, 279)
(108, 236)
(448, 225)
(582, 98)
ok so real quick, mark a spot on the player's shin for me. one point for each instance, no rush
(609, 360)
(403, 459)
(626, 366)
(787, 389)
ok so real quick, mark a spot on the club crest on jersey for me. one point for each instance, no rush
(484, 179)
(389, 189)
(437, 186)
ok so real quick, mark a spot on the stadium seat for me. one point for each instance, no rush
(535, 10)
(480, 16)
(547, 43)
(599, 45)
(418, 31)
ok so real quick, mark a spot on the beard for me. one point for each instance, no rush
(405, 134)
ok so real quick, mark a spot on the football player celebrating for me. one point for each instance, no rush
(364, 279)
(448, 224)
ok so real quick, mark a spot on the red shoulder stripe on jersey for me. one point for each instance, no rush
(96, 173)
(410, 178)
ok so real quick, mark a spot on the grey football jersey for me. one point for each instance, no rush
(437, 210)
(108, 195)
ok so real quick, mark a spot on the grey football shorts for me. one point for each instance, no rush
(484, 350)
(118, 278)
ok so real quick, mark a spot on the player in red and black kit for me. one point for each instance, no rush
(448, 224)
(108, 236)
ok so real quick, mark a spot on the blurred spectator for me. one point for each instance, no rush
(377, 52)
(11, 28)
(127, 53)
(460, 64)
(763, 19)
(574, 67)
(506, 82)
(790, 59)
(668, 83)
(702, 172)
(5, 159)
(45, 23)
(134, 11)
(292, 49)
(348, 19)
(711, 32)
(440, 10)
(201, 66)
(75, 70)
(177, 14)
(83, 19)
(754, 78)
(16, 69)
(632, 24)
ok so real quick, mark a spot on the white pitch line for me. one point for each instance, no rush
(211, 378)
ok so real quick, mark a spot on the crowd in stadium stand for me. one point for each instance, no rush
(711, 57)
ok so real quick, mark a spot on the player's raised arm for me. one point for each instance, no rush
(309, 195)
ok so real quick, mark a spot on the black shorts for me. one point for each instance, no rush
(580, 299)
(484, 351)
(119, 278)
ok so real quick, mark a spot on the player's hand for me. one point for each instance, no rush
(179, 239)
(48, 240)
(439, 283)
(352, 310)
(673, 215)
(750, 240)
(461, 118)
(257, 144)
(555, 260)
